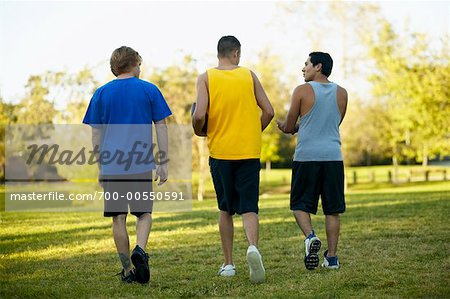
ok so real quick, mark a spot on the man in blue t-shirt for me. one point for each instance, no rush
(121, 114)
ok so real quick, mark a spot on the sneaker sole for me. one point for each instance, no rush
(142, 270)
(227, 273)
(330, 267)
(257, 272)
(312, 259)
(314, 247)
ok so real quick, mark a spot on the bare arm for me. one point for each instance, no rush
(163, 145)
(263, 103)
(342, 98)
(290, 126)
(96, 139)
(198, 118)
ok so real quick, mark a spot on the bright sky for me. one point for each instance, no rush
(40, 36)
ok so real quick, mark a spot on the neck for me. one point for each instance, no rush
(321, 78)
(225, 63)
(125, 76)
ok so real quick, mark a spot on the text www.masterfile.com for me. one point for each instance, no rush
(97, 195)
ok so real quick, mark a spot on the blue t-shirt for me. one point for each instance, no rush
(123, 110)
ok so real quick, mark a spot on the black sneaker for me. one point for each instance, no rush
(140, 261)
(130, 278)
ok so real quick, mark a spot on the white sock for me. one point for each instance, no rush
(253, 247)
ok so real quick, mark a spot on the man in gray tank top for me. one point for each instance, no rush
(318, 169)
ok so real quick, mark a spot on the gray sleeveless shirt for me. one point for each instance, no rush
(318, 136)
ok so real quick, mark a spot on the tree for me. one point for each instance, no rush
(331, 27)
(34, 107)
(178, 84)
(428, 92)
(76, 89)
(412, 82)
(362, 132)
(7, 117)
(269, 70)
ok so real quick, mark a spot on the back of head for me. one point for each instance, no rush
(123, 59)
(324, 59)
(226, 45)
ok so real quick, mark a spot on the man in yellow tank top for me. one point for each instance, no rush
(237, 110)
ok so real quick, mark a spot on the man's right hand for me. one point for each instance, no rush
(282, 127)
(162, 173)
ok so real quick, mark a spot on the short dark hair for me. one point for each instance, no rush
(323, 58)
(122, 59)
(227, 44)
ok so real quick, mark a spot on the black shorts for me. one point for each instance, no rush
(237, 184)
(311, 179)
(131, 190)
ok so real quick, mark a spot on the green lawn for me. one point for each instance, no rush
(395, 242)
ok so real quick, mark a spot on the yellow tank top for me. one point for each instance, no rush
(234, 124)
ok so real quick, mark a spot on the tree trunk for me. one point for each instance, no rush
(268, 166)
(395, 163)
(425, 156)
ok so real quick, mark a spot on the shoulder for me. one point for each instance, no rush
(110, 84)
(145, 83)
(303, 88)
(303, 91)
(148, 86)
(203, 77)
(99, 90)
(251, 72)
(342, 92)
(254, 76)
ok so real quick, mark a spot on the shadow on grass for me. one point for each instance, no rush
(362, 209)
(184, 271)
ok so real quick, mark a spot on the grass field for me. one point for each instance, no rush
(395, 242)
(278, 181)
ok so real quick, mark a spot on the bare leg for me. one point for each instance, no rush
(122, 241)
(332, 224)
(251, 227)
(226, 229)
(143, 227)
(304, 221)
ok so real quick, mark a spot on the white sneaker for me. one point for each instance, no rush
(330, 262)
(312, 247)
(254, 260)
(227, 270)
